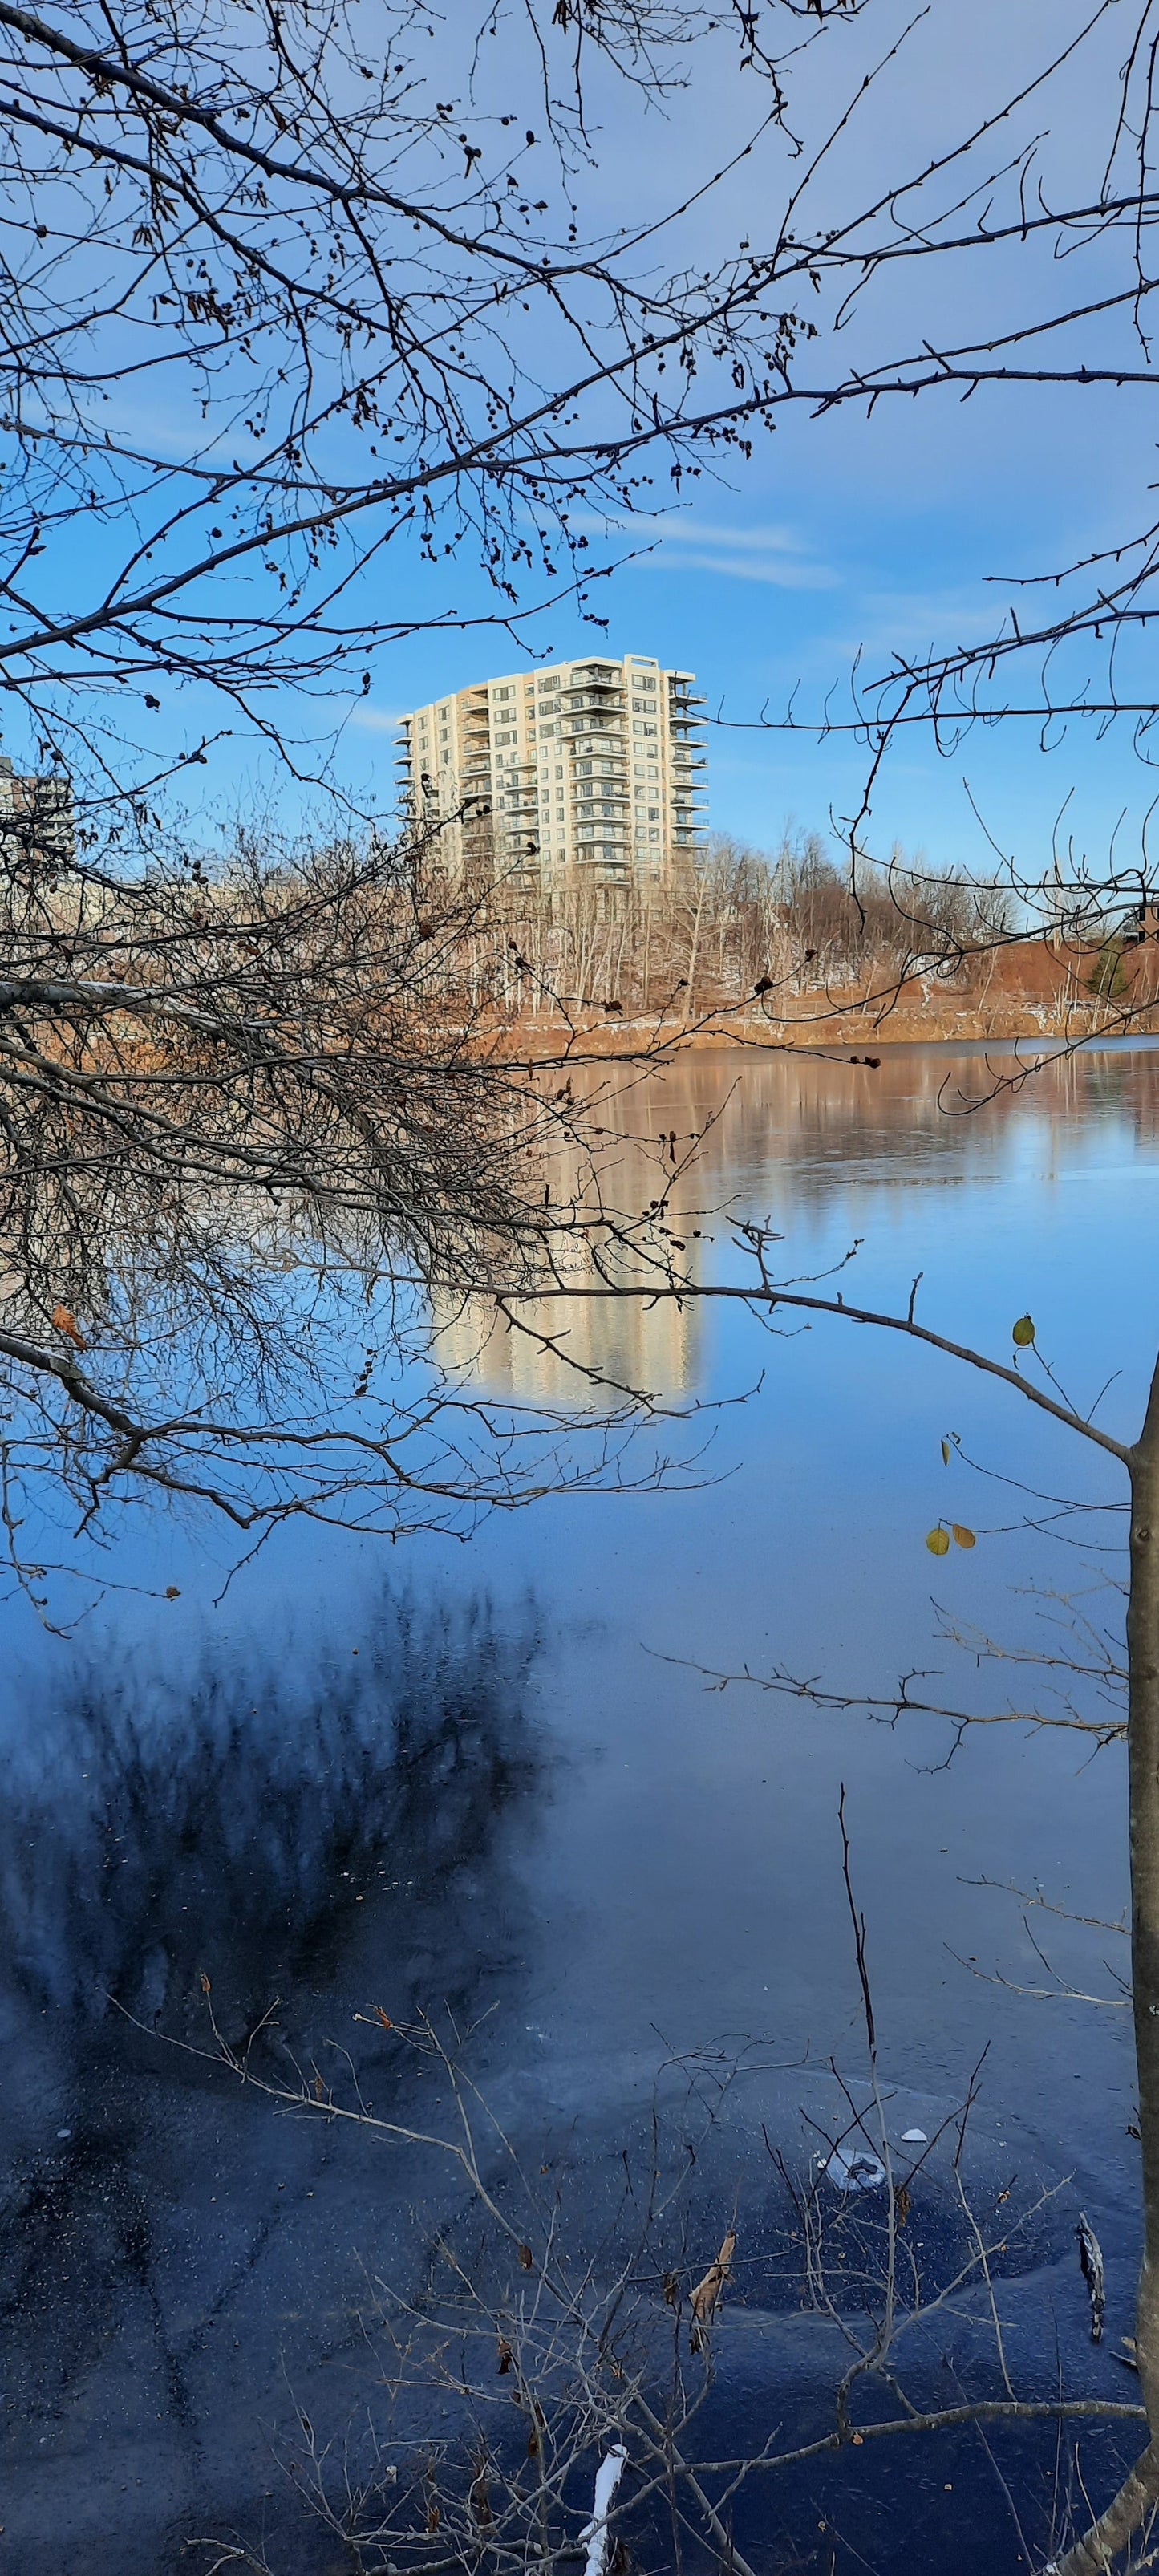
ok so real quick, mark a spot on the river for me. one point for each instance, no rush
(503, 1784)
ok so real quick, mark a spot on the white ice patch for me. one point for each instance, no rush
(594, 2536)
(852, 2169)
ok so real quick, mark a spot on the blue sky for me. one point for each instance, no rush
(838, 542)
(845, 538)
(845, 541)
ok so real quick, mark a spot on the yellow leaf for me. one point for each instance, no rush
(1024, 1332)
(945, 1453)
(964, 1537)
(937, 1542)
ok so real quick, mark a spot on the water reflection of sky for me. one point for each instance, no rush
(828, 1152)
(527, 1807)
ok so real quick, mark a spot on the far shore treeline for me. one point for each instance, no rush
(783, 938)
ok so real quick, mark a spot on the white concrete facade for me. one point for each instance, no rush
(594, 766)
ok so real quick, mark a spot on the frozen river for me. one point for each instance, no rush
(498, 1781)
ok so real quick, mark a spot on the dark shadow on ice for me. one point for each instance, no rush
(334, 1832)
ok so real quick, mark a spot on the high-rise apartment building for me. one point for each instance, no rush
(594, 768)
(36, 816)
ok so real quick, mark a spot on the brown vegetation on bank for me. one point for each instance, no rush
(775, 951)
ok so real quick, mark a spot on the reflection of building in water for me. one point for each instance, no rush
(622, 1164)
(631, 1344)
(779, 1137)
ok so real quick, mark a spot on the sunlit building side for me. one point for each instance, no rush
(591, 770)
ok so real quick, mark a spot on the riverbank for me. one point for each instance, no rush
(1022, 993)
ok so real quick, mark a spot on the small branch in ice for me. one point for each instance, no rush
(1091, 2258)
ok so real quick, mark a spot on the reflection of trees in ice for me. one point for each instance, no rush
(245, 1818)
(292, 1827)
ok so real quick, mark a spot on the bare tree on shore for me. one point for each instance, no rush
(250, 1126)
(653, 1266)
(287, 301)
(297, 307)
(223, 215)
(732, 933)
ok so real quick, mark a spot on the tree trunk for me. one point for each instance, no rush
(692, 954)
(1099, 2547)
(1143, 1756)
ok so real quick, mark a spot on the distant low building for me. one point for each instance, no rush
(590, 769)
(1142, 923)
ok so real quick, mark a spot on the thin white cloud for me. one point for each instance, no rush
(913, 621)
(373, 719)
(784, 576)
(770, 553)
(677, 528)
(677, 531)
